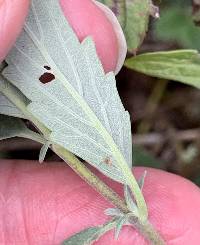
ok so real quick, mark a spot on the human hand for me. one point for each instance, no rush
(44, 204)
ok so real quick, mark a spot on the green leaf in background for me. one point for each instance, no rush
(141, 157)
(179, 65)
(176, 25)
(133, 17)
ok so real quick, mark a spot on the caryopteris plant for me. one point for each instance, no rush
(77, 113)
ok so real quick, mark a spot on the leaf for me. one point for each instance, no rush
(142, 180)
(14, 127)
(122, 221)
(179, 65)
(85, 237)
(113, 212)
(43, 151)
(2, 66)
(11, 127)
(8, 108)
(141, 157)
(90, 235)
(81, 105)
(130, 201)
(184, 31)
(133, 17)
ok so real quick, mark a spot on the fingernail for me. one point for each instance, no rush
(122, 46)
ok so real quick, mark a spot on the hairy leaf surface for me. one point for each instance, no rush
(8, 108)
(69, 91)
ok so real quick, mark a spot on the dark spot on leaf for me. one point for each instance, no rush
(47, 68)
(47, 77)
(108, 161)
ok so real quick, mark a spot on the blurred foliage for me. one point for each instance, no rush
(176, 24)
(196, 11)
(178, 65)
(129, 13)
(141, 157)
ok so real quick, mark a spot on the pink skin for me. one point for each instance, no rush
(12, 15)
(80, 12)
(44, 204)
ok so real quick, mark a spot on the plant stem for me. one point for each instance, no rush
(90, 178)
(149, 232)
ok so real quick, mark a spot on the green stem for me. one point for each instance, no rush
(149, 232)
(90, 178)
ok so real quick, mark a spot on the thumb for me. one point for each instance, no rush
(91, 18)
(12, 16)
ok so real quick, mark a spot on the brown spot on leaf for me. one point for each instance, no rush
(46, 77)
(108, 161)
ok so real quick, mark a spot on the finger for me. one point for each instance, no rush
(12, 16)
(88, 18)
(44, 204)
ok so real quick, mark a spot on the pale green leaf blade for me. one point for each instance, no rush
(114, 212)
(142, 180)
(90, 235)
(180, 65)
(133, 17)
(81, 106)
(8, 108)
(11, 127)
(122, 221)
(130, 201)
(86, 237)
(43, 151)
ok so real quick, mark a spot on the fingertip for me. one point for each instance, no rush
(122, 45)
(87, 19)
(12, 17)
